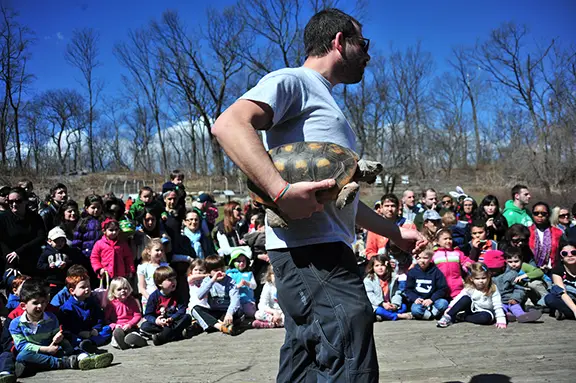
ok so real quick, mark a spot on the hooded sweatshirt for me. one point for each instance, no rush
(425, 284)
(514, 215)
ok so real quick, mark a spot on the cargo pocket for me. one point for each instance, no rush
(329, 354)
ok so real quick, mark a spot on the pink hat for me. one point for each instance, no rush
(494, 259)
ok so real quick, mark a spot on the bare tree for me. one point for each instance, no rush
(82, 53)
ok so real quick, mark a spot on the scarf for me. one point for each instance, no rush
(542, 250)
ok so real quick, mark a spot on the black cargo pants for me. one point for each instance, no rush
(329, 319)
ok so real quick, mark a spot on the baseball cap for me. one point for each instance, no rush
(431, 215)
(56, 233)
(205, 197)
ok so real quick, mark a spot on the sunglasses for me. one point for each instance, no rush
(446, 202)
(238, 210)
(540, 213)
(517, 240)
(571, 253)
(15, 201)
(564, 216)
(364, 44)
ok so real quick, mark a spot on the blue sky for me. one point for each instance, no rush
(439, 25)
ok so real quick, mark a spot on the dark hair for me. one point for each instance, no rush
(442, 231)
(574, 210)
(449, 196)
(176, 174)
(26, 182)
(517, 230)
(196, 263)
(109, 202)
(516, 189)
(34, 289)
(214, 262)
(260, 220)
(163, 273)
(489, 199)
(566, 242)
(383, 259)
(20, 191)
(323, 27)
(93, 198)
(56, 187)
(59, 219)
(511, 252)
(541, 203)
(145, 188)
(390, 197)
(478, 223)
(111, 224)
(426, 192)
(76, 270)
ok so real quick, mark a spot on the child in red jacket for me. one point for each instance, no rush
(111, 254)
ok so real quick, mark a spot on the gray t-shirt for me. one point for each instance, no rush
(305, 110)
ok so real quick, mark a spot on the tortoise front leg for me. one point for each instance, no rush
(347, 195)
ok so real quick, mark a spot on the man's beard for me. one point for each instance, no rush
(350, 69)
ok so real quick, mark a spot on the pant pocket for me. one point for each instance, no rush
(329, 353)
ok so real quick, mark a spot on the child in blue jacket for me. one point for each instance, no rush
(242, 275)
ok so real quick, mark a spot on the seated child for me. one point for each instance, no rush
(223, 298)
(153, 257)
(450, 261)
(562, 297)
(166, 318)
(14, 297)
(479, 302)
(62, 296)
(82, 317)
(196, 274)
(123, 314)
(529, 276)
(479, 245)
(111, 253)
(240, 272)
(38, 337)
(381, 285)
(269, 313)
(512, 294)
(57, 258)
(426, 288)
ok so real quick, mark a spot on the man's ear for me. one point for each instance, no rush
(338, 41)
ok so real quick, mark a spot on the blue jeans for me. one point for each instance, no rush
(555, 303)
(38, 361)
(390, 315)
(103, 337)
(434, 311)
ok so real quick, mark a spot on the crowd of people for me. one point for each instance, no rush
(156, 270)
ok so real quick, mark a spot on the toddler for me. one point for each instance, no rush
(196, 274)
(244, 278)
(450, 261)
(111, 254)
(426, 288)
(153, 257)
(269, 313)
(529, 276)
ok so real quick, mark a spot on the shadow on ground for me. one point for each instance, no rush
(487, 378)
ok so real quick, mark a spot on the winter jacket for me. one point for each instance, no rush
(507, 288)
(376, 295)
(50, 259)
(118, 313)
(25, 236)
(497, 231)
(375, 242)
(257, 242)
(450, 263)
(556, 235)
(49, 214)
(425, 284)
(196, 241)
(158, 304)
(77, 316)
(226, 240)
(514, 215)
(86, 234)
(113, 256)
(136, 211)
(481, 302)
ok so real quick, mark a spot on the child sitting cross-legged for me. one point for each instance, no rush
(223, 298)
(269, 313)
(123, 315)
(426, 288)
(82, 317)
(381, 285)
(39, 340)
(166, 318)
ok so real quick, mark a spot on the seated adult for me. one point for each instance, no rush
(390, 206)
(467, 210)
(22, 234)
(67, 219)
(489, 212)
(544, 238)
(231, 229)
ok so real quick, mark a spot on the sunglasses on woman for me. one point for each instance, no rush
(540, 213)
(564, 216)
(571, 253)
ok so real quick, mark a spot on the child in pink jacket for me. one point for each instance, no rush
(450, 261)
(110, 254)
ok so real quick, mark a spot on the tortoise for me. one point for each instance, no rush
(316, 161)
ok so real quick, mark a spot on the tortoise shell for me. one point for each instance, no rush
(311, 161)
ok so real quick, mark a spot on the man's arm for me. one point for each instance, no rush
(235, 130)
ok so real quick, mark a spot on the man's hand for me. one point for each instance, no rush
(300, 199)
(228, 319)
(427, 302)
(412, 239)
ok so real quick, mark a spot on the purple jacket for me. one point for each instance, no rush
(86, 234)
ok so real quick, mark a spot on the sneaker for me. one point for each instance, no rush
(230, 330)
(91, 362)
(379, 318)
(6, 377)
(135, 340)
(262, 324)
(70, 362)
(444, 322)
(88, 346)
(530, 316)
(118, 336)
(511, 317)
(559, 315)
(19, 369)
